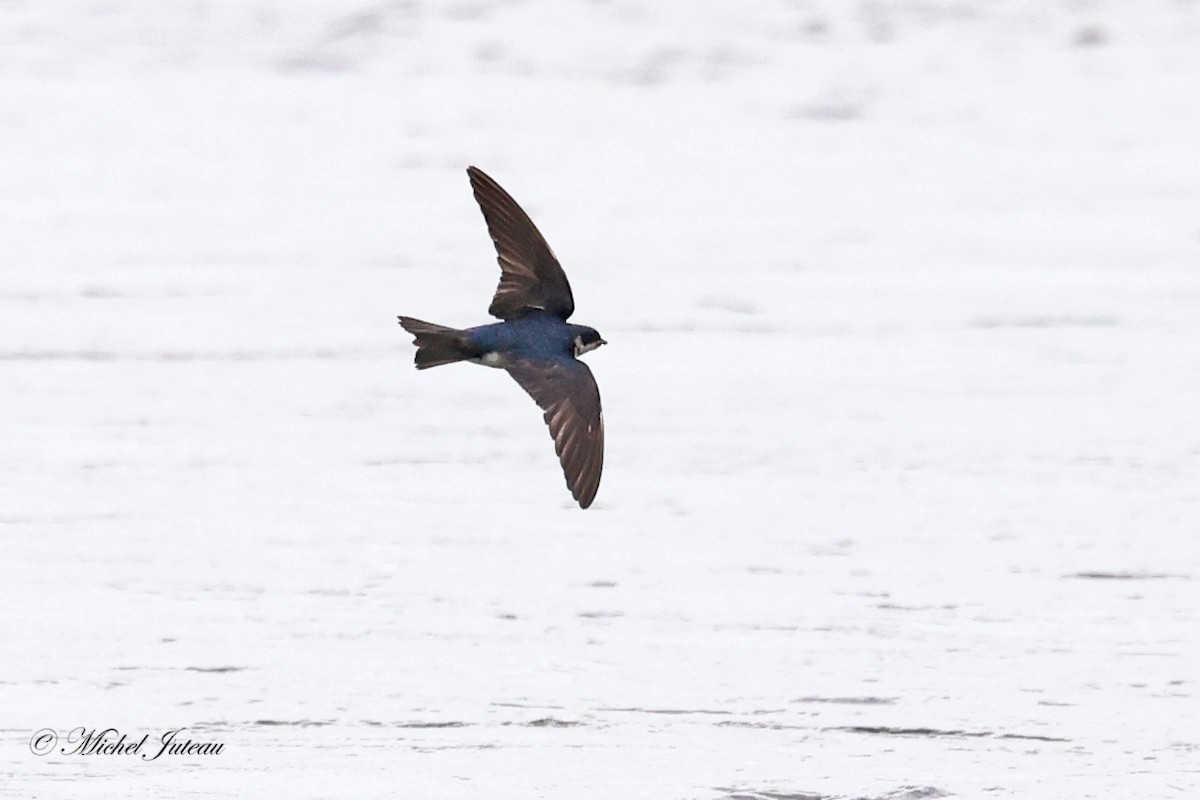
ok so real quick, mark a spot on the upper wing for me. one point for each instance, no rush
(567, 392)
(530, 276)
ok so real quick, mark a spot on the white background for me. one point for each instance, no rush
(902, 487)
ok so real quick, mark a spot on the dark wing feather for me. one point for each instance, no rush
(567, 393)
(530, 275)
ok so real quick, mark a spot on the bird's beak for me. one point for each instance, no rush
(603, 342)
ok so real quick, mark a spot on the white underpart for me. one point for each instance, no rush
(492, 359)
(581, 348)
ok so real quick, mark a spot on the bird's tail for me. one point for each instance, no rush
(436, 344)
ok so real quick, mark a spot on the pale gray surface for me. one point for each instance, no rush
(903, 480)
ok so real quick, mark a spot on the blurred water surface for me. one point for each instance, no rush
(901, 489)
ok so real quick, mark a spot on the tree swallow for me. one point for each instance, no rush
(534, 343)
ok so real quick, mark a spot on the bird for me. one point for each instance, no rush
(533, 342)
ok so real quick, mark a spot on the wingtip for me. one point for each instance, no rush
(585, 494)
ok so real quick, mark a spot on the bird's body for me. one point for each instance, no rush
(534, 342)
(538, 335)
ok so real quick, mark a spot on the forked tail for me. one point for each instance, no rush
(436, 344)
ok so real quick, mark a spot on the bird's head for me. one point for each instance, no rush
(586, 339)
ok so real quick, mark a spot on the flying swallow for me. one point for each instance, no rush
(534, 342)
